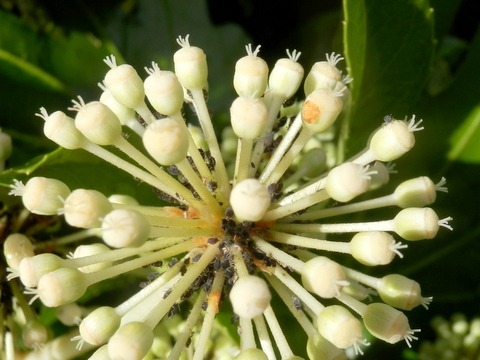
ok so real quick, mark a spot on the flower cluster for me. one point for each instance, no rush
(238, 229)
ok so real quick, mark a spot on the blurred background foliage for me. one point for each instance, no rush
(406, 57)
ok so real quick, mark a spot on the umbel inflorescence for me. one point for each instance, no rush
(236, 229)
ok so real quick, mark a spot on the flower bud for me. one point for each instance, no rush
(250, 200)
(319, 348)
(251, 74)
(98, 123)
(84, 208)
(15, 248)
(248, 117)
(391, 141)
(251, 354)
(400, 292)
(416, 192)
(323, 277)
(386, 323)
(61, 286)
(124, 114)
(123, 199)
(321, 109)
(373, 248)
(164, 91)
(61, 129)
(416, 223)
(380, 175)
(131, 342)
(166, 141)
(69, 314)
(323, 75)
(89, 250)
(100, 354)
(35, 334)
(190, 65)
(99, 325)
(124, 228)
(124, 84)
(286, 76)
(44, 196)
(347, 181)
(5, 147)
(339, 326)
(31, 269)
(250, 296)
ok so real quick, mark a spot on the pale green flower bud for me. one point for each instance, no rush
(318, 348)
(323, 75)
(69, 314)
(61, 129)
(88, 250)
(373, 248)
(15, 248)
(339, 326)
(99, 326)
(35, 334)
(42, 196)
(416, 192)
(190, 65)
(347, 181)
(401, 292)
(124, 114)
(131, 342)
(251, 74)
(98, 123)
(31, 269)
(164, 91)
(418, 223)
(286, 76)
(61, 286)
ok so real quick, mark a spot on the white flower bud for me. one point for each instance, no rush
(43, 196)
(248, 117)
(321, 109)
(286, 76)
(69, 314)
(401, 292)
(124, 114)
(98, 123)
(339, 326)
(251, 74)
(61, 129)
(347, 181)
(35, 334)
(99, 326)
(15, 248)
(250, 296)
(61, 286)
(323, 75)
(323, 277)
(131, 342)
(31, 269)
(373, 248)
(319, 348)
(416, 223)
(166, 141)
(190, 65)
(416, 192)
(250, 200)
(387, 324)
(124, 228)
(84, 208)
(88, 250)
(124, 84)
(164, 91)
(251, 354)
(392, 140)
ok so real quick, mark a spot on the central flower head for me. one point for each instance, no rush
(237, 229)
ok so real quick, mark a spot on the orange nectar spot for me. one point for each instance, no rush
(191, 213)
(173, 212)
(214, 299)
(310, 112)
(200, 240)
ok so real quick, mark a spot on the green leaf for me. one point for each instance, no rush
(389, 51)
(464, 141)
